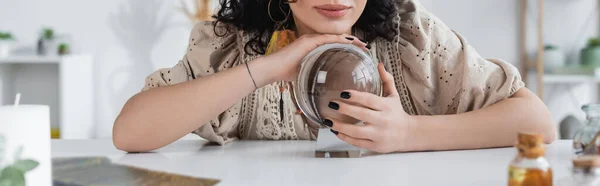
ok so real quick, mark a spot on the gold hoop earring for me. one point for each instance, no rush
(279, 24)
(281, 36)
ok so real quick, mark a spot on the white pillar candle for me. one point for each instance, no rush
(28, 126)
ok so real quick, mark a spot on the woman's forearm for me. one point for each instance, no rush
(157, 117)
(493, 126)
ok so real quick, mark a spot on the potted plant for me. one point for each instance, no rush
(7, 41)
(46, 41)
(590, 55)
(553, 58)
(14, 174)
(63, 49)
(48, 34)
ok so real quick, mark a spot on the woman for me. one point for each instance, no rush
(439, 95)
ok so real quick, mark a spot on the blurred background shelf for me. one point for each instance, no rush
(569, 78)
(31, 59)
(65, 83)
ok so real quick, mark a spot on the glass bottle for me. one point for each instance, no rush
(586, 170)
(587, 134)
(530, 168)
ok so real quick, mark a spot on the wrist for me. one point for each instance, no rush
(416, 139)
(263, 71)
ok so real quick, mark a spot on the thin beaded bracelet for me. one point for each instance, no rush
(251, 77)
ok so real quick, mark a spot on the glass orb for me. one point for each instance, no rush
(329, 70)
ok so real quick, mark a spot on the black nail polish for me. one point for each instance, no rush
(334, 106)
(363, 41)
(334, 132)
(328, 123)
(368, 46)
(350, 38)
(346, 95)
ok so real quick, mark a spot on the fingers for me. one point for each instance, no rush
(369, 100)
(357, 112)
(327, 39)
(322, 39)
(389, 86)
(357, 42)
(360, 143)
(355, 131)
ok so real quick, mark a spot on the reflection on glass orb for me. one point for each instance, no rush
(329, 70)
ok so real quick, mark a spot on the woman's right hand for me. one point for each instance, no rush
(288, 59)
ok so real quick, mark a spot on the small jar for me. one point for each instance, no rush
(585, 172)
(530, 167)
(585, 138)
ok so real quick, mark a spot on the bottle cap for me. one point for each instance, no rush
(530, 140)
(587, 161)
(531, 145)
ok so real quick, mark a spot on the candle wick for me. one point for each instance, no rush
(17, 99)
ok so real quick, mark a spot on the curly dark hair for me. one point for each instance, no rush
(252, 17)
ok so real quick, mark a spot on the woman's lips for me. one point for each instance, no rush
(333, 11)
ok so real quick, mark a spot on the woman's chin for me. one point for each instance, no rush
(333, 28)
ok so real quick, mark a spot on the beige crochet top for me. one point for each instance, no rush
(436, 72)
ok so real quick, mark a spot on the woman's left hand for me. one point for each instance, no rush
(387, 126)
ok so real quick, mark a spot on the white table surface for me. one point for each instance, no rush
(280, 163)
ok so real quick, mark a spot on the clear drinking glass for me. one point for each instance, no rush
(326, 72)
(585, 137)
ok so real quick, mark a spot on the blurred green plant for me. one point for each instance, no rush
(48, 33)
(14, 174)
(550, 47)
(594, 42)
(63, 49)
(6, 36)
